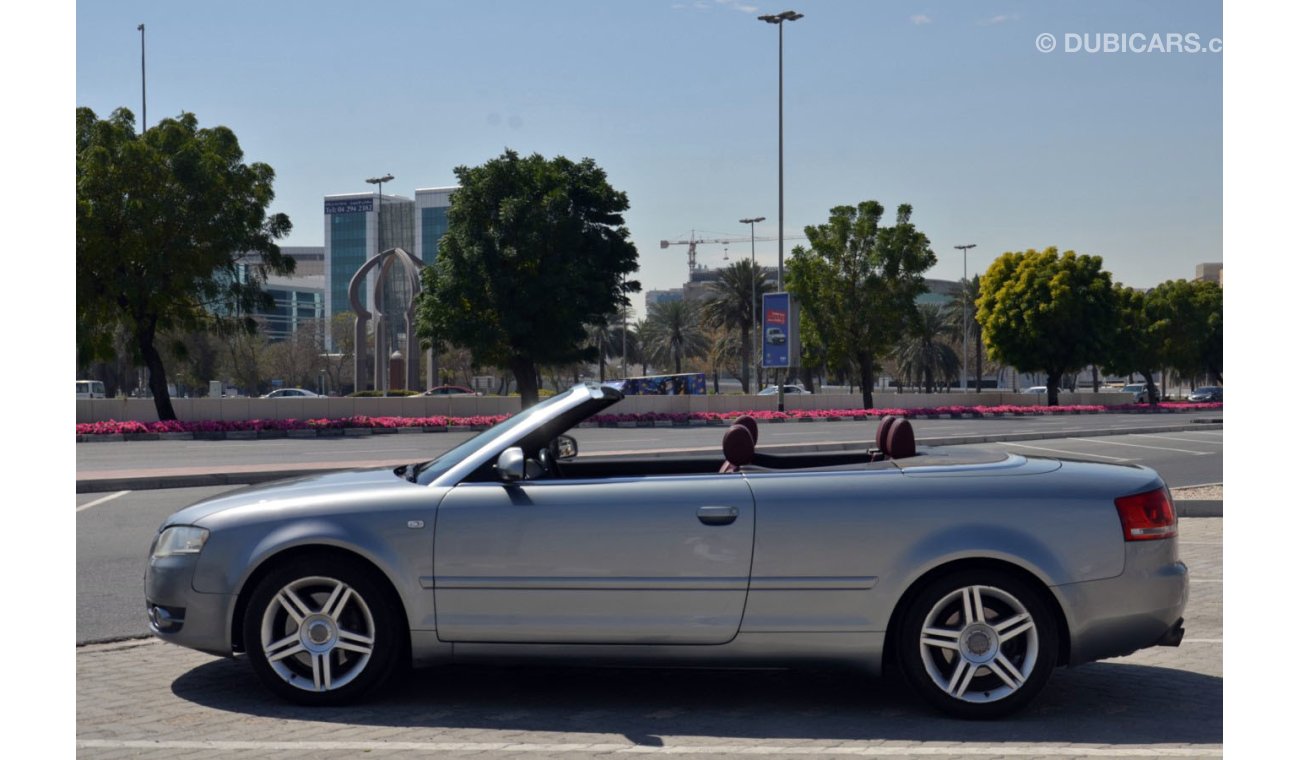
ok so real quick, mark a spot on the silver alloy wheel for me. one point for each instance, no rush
(317, 634)
(979, 644)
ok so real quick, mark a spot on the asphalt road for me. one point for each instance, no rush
(164, 457)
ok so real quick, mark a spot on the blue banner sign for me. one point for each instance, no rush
(349, 205)
(780, 330)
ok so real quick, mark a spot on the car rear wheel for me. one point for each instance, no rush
(321, 632)
(978, 644)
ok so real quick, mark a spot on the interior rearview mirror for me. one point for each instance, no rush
(565, 447)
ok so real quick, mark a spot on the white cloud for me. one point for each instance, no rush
(920, 19)
(1000, 19)
(739, 5)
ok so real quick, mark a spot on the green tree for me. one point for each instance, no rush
(924, 354)
(164, 219)
(1188, 317)
(672, 333)
(534, 251)
(1046, 311)
(1135, 345)
(858, 282)
(735, 300)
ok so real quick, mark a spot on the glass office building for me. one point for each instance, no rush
(352, 238)
(431, 206)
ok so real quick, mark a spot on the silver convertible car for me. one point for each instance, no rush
(975, 575)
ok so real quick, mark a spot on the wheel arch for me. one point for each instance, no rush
(972, 564)
(293, 553)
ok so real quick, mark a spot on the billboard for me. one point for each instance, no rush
(780, 330)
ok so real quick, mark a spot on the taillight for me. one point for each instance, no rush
(1147, 516)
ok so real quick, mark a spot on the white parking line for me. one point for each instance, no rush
(1171, 438)
(1061, 451)
(841, 750)
(101, 500)
(1140, 446)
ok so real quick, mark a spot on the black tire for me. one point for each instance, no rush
(323, 631)
(978, 665)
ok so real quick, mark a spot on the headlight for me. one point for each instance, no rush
(180, 539)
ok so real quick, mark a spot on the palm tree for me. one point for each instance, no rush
(734, 303)
(964, 304)
(672, 333)
(922, 355)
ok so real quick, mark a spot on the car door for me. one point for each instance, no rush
(635, 560)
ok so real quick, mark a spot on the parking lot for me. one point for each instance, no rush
(143, 698)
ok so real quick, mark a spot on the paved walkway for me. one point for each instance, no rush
(149, 699)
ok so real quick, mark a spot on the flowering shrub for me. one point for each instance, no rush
(130, 427)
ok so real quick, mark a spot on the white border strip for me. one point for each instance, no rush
(101, 500)
(950, 750)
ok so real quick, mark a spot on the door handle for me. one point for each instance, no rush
(717, 515)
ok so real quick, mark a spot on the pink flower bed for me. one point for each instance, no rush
(113, 427)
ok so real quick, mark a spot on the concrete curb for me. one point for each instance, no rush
(1199, 508)
(203, 480)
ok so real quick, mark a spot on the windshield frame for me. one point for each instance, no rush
(455, 464)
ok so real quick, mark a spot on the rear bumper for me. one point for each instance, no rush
(1140, 608)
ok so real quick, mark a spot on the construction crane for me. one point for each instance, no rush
(694, 241)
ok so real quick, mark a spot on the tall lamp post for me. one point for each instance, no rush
(144, 104)
(965, 330)
(753, 288)
(381, 351)
(779, 19)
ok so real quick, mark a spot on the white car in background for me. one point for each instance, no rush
(291, 393)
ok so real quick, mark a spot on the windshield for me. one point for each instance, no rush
(430, 470)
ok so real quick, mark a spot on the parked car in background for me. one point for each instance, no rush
(1039, 390)
(771, 390)
(978, 572)
(90, 389)
(291, 393)
(1208, 393)
(1138, 391)
(450, 390)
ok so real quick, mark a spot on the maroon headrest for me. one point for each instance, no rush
(882, 432)
(750, 424)
(737, 447)
(901, 443)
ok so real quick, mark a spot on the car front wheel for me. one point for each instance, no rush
(979, 644)
(321, 633)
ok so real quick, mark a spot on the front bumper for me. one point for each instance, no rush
(181, 615)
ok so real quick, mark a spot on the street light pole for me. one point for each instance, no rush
(144, 110)
(381, 352)
(779, 19)
(965, 330)
(753, 290)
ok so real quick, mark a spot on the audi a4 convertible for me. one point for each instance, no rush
(974, 574)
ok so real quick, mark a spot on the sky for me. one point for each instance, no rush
(948, 106)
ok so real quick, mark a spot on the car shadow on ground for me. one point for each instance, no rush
(1105, 703)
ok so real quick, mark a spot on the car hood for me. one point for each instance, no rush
(317, 490)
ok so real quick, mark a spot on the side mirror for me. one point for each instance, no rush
(510, 465)
(565, 447)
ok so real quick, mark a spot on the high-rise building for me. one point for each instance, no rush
(431, 205)
(1210, 272)
(353, 237)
